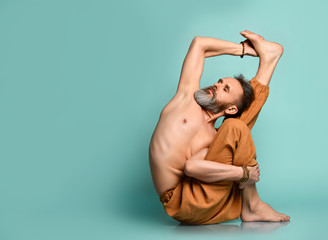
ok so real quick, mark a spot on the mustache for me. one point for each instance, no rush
(205, 100)
(209, 89)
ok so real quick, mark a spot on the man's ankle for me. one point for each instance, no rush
(252, 203)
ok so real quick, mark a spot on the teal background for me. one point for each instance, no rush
(82, 87)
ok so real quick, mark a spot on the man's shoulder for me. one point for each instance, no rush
(181, 102)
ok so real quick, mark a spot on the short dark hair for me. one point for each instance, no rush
(248, 96)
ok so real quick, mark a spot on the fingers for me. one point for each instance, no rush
(253, 177)
(251, 36)
(249, 32)
(244, 34)
(256, 173)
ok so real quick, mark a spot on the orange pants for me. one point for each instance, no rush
(195, 202)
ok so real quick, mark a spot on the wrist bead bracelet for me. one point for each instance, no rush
(243, 53)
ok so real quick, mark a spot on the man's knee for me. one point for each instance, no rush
(232, 130)
(232, 144)
(239, 139)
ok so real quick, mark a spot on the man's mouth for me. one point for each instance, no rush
(211, 91)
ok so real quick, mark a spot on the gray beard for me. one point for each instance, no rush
(206, 102)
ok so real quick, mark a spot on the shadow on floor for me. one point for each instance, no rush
(232, 227)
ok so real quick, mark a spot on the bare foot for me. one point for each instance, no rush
(264, 48)
(262, 212)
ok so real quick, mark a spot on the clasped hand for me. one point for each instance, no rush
(254, 174)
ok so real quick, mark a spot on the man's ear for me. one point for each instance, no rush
(231, 110)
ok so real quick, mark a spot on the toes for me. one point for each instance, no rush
(251, 35)
(285, 217)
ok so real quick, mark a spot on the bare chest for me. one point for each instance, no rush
(202, 139)
(181, 132)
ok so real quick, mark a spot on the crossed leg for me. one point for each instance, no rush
(233, 145)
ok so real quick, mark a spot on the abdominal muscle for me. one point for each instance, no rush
(167, 156)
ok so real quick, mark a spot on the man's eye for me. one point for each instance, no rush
(226, 90)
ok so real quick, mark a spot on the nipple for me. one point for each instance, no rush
(184, 120)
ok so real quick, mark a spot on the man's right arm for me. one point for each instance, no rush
(201, 48)
(211, 172)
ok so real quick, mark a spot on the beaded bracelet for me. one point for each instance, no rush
(246, 174)
(242, 55)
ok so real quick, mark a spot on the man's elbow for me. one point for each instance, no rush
(196, 39)
(197, 42)
(189, 168)
(281, 49)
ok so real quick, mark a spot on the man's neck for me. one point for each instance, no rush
(210, 118)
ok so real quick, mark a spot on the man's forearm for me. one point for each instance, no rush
(211, 172)
(215, 47)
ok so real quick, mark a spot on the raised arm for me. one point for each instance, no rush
(200, 48)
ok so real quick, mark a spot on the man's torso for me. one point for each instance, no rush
(180, 133)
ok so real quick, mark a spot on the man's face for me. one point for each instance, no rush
(219, 96)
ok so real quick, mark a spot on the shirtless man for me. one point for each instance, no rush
(186, 129)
